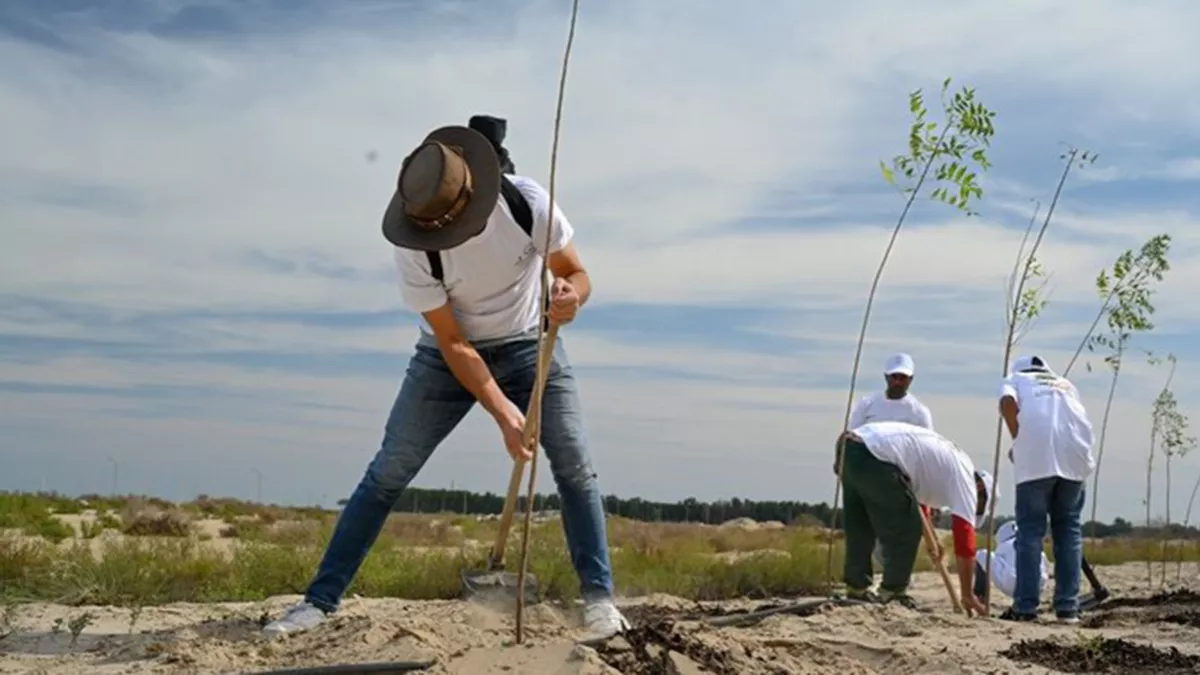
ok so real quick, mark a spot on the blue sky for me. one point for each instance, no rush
(193, 283)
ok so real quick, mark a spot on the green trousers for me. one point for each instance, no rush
(878, 503)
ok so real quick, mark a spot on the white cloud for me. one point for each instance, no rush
(146, 173)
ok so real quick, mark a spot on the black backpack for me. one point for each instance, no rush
(516, 204)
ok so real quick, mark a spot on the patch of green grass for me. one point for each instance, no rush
(33, 515)
(423, 557)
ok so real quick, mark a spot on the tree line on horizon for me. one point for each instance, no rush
(692, 510)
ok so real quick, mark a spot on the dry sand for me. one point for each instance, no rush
(472, 640)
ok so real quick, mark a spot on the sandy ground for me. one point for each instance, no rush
(471, 639)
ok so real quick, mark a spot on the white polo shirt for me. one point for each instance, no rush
(941, 473)
(1054, 435)
(491, 279)
(877, 407)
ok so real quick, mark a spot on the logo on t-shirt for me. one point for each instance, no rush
(529, 251)
(1046, 384)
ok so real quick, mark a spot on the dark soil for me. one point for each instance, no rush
(1182, 596)
(657, 640)
(1181, 607)
(702, 612)
(1103, 656)
(698, 612)
(646, 650)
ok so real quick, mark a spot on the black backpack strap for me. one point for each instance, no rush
(435, 265)
(517, 204)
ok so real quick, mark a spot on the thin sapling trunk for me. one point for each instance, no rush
(1126, 291)
(1187, 518)
(544, 336)
(959, 150)
(1155, 429)
(1174, 441)
(1024, 305)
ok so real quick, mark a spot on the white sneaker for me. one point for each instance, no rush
(302, 617)
(602, 619)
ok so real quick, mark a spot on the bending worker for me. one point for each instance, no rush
(889, 470)
(1004, 563)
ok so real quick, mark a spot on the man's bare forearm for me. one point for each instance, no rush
(1009, 410)
(966, 574)
(582, 285)
(473, 373)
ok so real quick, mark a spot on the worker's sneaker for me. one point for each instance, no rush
(300, 618)
(602, 619)
(1069, 618)
(1012, 615)
(862, 595)
(898, 597)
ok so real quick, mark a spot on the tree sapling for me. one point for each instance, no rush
(1156, 418)
(1024, 301)
(1187, 519)
(1126, 290)
(959, 152)
(1174, 441)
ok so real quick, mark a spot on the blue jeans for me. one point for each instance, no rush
(430, 404)
(1062, 501)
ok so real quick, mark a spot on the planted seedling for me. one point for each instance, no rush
(77, 625)
(1128, 272)
(1025, 300)
(1155, 427)
(955, 152)
(1170, 429)
(1126, 291)
(1187, 518)
(135, 612)
(8, 620)
(533, 435)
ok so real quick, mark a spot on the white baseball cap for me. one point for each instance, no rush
(1030, 362)
(989, 489)
(900, 364)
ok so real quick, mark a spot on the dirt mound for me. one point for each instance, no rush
(1180, 607)
(660, 648)
(1102, 655)
(1182, 596)
(670, 635)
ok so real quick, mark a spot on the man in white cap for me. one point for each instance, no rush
(1052, 457)
(890, 470)
(894, 403)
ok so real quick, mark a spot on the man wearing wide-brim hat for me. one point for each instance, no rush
(469, 243)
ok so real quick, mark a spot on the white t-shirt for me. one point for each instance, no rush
(491, 279)
(941, 473)
(878, 407)
(1004, 563)
(1054, 436)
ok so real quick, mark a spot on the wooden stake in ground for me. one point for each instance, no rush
(545, 340)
